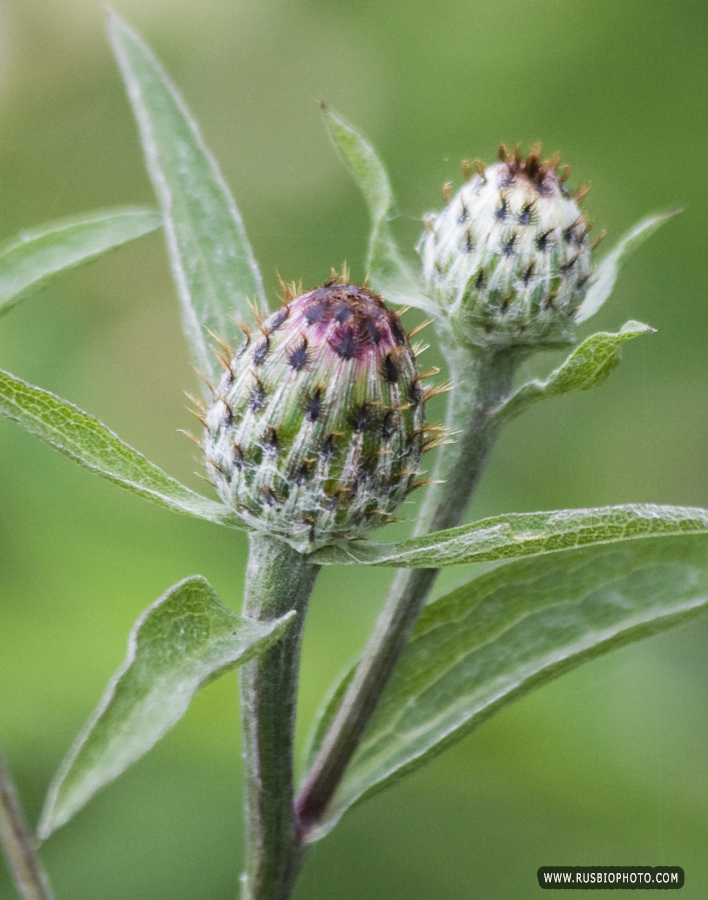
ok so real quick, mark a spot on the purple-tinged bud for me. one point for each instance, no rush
(509, 256)
(317, 427)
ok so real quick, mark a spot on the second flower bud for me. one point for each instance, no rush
(509, 257)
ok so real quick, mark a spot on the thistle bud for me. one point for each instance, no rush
(317, 427)
(509, 256)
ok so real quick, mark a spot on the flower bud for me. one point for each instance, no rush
(509, 256)
(317, 427)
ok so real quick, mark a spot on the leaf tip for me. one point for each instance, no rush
(634, 327)
(118, 32)
(113, 20)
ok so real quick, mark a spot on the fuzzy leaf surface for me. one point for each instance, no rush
(608, 270)
(33, 257)
(388, 273)
(212, 261)
(89, 442)
(516, 535)
(586, 367)
(182, 642)
(512, 630)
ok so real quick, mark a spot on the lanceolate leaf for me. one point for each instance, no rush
(212, 261)
(512, 630)
(33, 257)
(387, 271)
(183, 641)
(522, 534)
(84, 439)
(586, 367)
(608, 270)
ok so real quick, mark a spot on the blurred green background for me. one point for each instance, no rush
(607, 765)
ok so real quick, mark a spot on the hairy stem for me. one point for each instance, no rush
(30, 878)
(481, 381)
(278, 579)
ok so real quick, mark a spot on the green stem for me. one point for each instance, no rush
(30, 878)
(278, 579)
(481, 381)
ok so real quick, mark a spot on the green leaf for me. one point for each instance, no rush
(388, 273)
(484, 645)
(586, 367)
(608, 270)
(182, 642)
(29, 260)
(212, 261)
(89, 442)
(521, 534)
